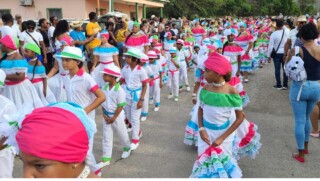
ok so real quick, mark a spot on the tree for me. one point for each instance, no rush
(306, 6)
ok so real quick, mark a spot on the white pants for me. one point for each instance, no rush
(90, 160)
(145, 106)
(183, 74)
(6, 162)
(173, 82)
(133, 115)
(154, 92)
(119, 127)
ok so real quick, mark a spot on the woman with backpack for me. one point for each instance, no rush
(305, 94)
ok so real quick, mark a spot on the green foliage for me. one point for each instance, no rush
(212, 8)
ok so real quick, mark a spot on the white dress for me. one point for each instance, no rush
(22, 92)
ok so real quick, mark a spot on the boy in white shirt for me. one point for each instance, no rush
(155, 80)
(173, 75)
(184, 64)
(113, 114)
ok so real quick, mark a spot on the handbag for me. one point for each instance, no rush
(274, 52)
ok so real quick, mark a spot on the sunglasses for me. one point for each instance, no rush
(31, 27)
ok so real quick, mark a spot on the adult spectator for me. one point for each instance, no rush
(292, 39)
(77, 35)
(304, 95)
(110, 29)
(121, 35)
(54, 21)
(44, 26)
(92, 29)
(278, 39)
(32, 36)
(6, 28)
(167, 29)
(17, 24)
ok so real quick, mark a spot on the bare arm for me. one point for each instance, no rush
(146, 49)
(143, 92)
(16, 77)
(115, 60)
(45, 87)
(287, 48)
(239, 65)
(54, 70)
(44, 51)
(21, 47)
(100, 98)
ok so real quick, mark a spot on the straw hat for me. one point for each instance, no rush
(302, 18)
(75, 24)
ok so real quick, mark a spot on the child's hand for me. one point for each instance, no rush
(217, 142)
(194, 101)
(161, 84)
(204, 136)
(139, 105)
(111, 120)
(105, 117)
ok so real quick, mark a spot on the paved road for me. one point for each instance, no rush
(162, 153)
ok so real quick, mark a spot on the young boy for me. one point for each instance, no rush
(173, 82)
(145, 108)
(113, 114)
(155, 83)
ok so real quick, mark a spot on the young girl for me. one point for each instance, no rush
(219, 115)
(64, 156)
(18, 88)
(135, 78)
(113, 114)
(7, 152)
(244, 39)
(173, 77)
(234, 51)
(136, 39)
(80, 89)
(37, 74)
(104, 55)
(144, 63)
(155, 80)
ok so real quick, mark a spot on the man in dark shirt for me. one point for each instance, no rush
(167, 29)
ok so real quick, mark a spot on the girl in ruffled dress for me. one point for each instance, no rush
(104, 55)
(18, 88)
(37, 74)
(219, 115)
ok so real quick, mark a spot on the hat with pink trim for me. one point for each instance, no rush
(152, 54)
(113, 70)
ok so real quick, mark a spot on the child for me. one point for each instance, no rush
(173, 77)
(184, 65)
(7, 152)
(18, 88)
(81, 88)
(113, 114)
(145, 108)
(136, 80)
(37, 74)
(219, 115)
(45, 155)
(104, 55)
(155, 83)
(168, 44)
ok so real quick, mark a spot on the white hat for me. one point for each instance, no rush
(2, 77)
(180, 42)
(113, 70)
(144, 58)
(152, 54)
(173, 50)
(134, 52)
(228, 32)
(153, 16)
(71, 52)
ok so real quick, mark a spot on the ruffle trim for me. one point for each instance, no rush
(198, 31)
(245, 57)
(249, 145)
(137, 41)
(245, 99)
(214, 163)
(191, 135)
(244, 39)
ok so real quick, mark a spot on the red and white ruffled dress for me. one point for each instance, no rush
(233, 51)
(246, 60)
(198, 34)
(138, 41)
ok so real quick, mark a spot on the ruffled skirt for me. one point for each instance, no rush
(49, 98)
(55, 84)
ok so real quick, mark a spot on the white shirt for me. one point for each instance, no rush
(27, 39)
(6, 30)
(51, 31)
(275, 40)
(176, 31)
(16, 30)
(80, 88)
(155, 68)
(134, 80)
(171, 65)
(182, 54)
(293, 36)
(116, 97)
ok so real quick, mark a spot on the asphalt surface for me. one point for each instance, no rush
(162, 153)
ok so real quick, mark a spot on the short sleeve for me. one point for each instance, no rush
(40, 37)
(121, 99)
(116, 52)
(22, 36)
(91, 83)
(89, 29)
(73, 35)
(144, 76)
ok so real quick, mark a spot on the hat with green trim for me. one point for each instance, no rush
(2, 77)
(72, 52)
(134, 52)
(33, 47)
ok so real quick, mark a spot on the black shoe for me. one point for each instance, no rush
(285, 88)
(277, 87)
